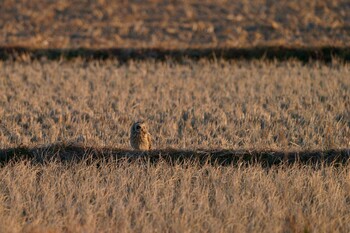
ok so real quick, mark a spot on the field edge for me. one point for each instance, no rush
(280, 53)
(71, 152)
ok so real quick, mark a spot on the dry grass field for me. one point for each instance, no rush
(65, 160)
(239, 105)
(174, 24)
(225, 105)
(141, 197)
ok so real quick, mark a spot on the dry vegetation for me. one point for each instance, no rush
(231, 105)
(237, 105)
(140, 197)
(190, 107)
(174, 24)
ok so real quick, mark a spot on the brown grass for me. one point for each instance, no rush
(219, 105)
(190, 106)
(139, 197)
(174, 24)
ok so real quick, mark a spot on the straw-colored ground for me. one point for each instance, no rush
(174, 24)
(236, 105)
(233, 105)
(139, 197)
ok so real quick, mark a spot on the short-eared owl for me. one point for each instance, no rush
(140, 138)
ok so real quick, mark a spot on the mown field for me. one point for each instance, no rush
(203, 105)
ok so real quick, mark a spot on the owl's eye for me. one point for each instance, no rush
(138, 127)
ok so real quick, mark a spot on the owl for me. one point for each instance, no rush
(140, 138)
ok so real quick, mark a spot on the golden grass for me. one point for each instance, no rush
(219, 105)
(174, 24)
(141, 197)
(190, 106)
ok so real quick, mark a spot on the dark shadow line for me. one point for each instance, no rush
(304, 54)
(69, 153)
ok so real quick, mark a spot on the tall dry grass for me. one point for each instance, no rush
(139, 197)
(237, 105)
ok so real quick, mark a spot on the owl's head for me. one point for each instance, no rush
(139, 126)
